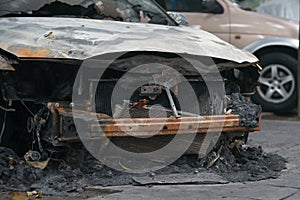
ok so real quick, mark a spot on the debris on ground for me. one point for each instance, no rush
(34, 195)
(76, 170)
(253, 164)
(18, 196)
(36, 164)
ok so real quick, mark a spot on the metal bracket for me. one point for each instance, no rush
(173, 106)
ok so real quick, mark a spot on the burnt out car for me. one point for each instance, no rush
(120, 69)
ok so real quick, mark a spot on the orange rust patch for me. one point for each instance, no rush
(37, 53)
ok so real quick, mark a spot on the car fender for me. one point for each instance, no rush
(272, 41)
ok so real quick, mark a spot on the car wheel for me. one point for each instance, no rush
(278, 83)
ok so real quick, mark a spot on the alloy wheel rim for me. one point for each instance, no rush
(277, 83)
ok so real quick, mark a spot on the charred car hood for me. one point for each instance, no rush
(75, 38)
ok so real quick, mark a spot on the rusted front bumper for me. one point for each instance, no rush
(170, 126)
(97, 125)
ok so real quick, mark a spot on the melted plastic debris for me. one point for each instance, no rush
(248, 112)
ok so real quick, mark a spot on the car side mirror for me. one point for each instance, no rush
(180, 18)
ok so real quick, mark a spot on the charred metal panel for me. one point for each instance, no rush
(29, 37)
(5, 65)
(45, 80)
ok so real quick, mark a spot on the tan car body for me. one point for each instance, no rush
(240, 27)
(273, 40)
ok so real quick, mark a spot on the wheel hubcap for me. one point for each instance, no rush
(277, 83)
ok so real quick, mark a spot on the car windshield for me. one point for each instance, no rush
(121, 10)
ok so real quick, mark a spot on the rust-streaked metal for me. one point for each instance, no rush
(32, 52)
(155, 126)
(170, 126)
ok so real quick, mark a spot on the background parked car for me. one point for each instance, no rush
(273, 40)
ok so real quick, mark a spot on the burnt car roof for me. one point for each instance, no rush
(30, 5)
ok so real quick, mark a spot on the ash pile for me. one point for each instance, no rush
(76, 169)
(244, 163)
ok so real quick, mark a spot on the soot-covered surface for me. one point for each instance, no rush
(78, 170)
(249, 112)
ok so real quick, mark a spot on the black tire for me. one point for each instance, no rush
(278, 78)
